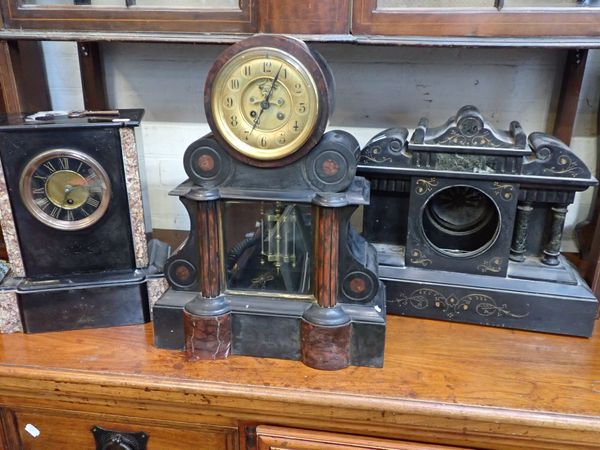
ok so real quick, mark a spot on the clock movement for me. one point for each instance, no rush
(73, 221)
(271, 266)
(468, 223)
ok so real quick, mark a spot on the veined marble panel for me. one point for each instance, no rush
(9, 231)
(134, 195)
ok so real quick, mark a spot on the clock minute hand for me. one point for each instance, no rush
(266, 100)
(273, 84)
(88, 187)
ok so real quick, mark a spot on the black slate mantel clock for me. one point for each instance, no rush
(468, 222)
(271, 266)
(73, 220)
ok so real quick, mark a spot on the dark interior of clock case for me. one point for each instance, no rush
(468, 222)
(268, 246)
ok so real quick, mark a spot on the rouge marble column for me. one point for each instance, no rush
(326, 329)
(207, 318)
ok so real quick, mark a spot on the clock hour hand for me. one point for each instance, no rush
(68, 190)
(265, 103)
(256, 120)
(66, 196)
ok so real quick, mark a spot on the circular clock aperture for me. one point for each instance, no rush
(267, 98)
(65, 189)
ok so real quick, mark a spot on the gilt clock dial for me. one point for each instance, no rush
(65, 189)
(267, 98)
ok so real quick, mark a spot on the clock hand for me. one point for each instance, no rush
(68, 190)
(87, 187)
(273, 84)
(265, 103)
(256, 120)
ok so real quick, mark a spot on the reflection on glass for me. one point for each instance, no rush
(268, 246)
(395, 4)
(184, 4)
(549, 3)
(98, 3)
(189, 4)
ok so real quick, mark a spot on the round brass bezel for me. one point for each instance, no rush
(237, 61)
(46, 219)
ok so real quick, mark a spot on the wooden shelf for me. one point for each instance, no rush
(441, 383)
(223, 38)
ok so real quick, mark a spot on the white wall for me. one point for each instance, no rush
(376, 87)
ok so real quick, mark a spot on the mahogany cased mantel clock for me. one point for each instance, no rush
(74, 223)
(271, 266)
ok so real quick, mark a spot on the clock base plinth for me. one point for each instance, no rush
(112, 300)
(326, 348)
(268, 327)
(206, 336)
(561, 303)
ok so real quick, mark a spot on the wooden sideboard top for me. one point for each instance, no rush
(487, 385)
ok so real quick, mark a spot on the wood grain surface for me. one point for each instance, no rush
(242, 19)
(22, 89)
(53, 436)
(93, 83)
(11, 101)
(277, 438)
(441, 383)
(368, 18)
(307, 17)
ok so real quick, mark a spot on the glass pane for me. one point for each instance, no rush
(268, 246)
(396, 4)
(549, 3)
(74, 2)
(188, 4)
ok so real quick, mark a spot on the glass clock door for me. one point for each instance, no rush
(268, 246)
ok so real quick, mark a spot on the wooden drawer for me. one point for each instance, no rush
(74, 432)
(276, 438)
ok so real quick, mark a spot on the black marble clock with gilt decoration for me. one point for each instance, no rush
(468, 222)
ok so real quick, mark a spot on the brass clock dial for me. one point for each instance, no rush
(268, 97)
(65, 189)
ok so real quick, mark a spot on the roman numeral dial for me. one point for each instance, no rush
(65, 189)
